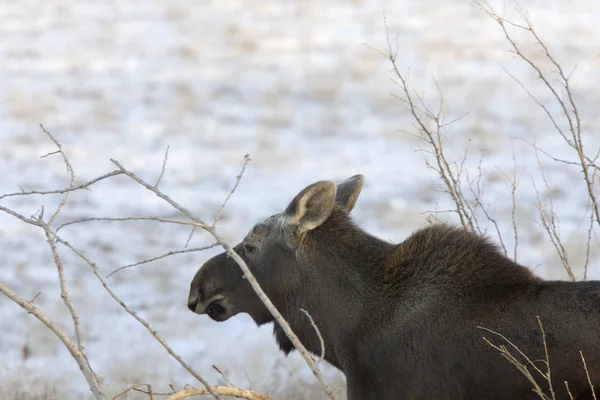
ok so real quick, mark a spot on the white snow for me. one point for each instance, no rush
(290, 83)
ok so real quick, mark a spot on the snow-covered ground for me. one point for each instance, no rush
(292, 84)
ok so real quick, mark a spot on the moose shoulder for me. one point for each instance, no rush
(401, 320)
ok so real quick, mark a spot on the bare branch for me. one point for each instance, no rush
(548, 372)
(19, 216)
(69, 170)
(550, 223)
(187, 242)
(222, 390)
(567, 106)
(318, 332)
(167, 254)
(587, 373)
(434, 137)
(223, 375)
(77, 354)
(85, 185)
(166, 198)
(135, 387)
(569, 391)
(237, 182)
(121, 219)
(164, 165)
(522, 366)
(64, 293)
(514, 184)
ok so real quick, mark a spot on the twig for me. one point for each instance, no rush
(69, 170)
(187, 242)
(170, 253)
(522, 367)
(223, 375)
(135, 387)
(64, 293)
(587, 373)
(23, 218)
(312, 322)
(85, 185)
(551, 224)
(38, 294)
(433, 137)
(514, 183)
(222, 390)
(160, 194)
(569, 391)
(122, 219)
(237, 182)
(562, 95)
(164, 165)
(548, 372)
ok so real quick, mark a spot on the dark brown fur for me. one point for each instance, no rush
(401, 320)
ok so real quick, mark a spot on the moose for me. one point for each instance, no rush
(404, 321)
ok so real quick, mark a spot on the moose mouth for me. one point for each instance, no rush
(217, 311)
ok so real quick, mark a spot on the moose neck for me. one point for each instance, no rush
(338, 260)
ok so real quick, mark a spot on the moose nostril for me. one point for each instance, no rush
(192, 302)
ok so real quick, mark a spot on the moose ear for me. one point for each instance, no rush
(348, 192)
(311, 207)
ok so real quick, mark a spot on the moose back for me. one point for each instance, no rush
(403, 321)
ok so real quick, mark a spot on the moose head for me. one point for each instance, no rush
(277, 253)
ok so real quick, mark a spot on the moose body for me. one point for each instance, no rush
(405, 321)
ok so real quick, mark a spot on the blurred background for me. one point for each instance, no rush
(296, 85)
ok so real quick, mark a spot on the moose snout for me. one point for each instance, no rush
(215, 307)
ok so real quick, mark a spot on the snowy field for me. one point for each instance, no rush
(290, 83)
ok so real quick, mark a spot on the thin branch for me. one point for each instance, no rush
(548, 372)
(64, 293)
(85, 185)
(587, 373)
(70, 170)
(23, 218)
(164, 165)
(237, 182)
(135, 387)
(160, 194)
(170, 253)
(434, 137)
(223, 375)
(521, 366)
(551, 224)
(121, 219)
(569, 391)
(187, 242)
(318, 332)
(567, 106)
(222, 390)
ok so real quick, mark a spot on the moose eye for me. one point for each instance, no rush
(249, 249)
